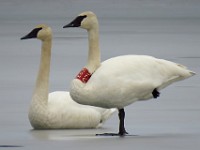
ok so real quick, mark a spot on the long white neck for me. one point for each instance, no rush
(40, 95)
(94, 56)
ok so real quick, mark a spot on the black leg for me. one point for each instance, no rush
(155, 93)
(122, 131)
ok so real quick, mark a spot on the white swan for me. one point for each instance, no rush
(122, 80)
(57, 110)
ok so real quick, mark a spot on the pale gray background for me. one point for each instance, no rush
(168, 29)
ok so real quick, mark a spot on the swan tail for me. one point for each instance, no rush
(106, 115)
(182, 73)
(192, 73)
(186, 72)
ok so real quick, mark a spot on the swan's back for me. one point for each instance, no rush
(142, 68)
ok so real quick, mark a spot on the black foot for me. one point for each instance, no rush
(122, 133)
(112, 134)
(155, 93)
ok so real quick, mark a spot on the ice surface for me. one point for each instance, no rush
(166, 29)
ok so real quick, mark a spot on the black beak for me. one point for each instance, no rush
(32, 34)
(69, 25)
(76, 22)
(26, 37)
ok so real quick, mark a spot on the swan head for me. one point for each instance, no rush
(86, 20)
(42, 32)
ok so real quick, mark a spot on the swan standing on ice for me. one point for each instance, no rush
(57, 110)
(122, 80)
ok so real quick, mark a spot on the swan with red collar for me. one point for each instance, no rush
(122, 80)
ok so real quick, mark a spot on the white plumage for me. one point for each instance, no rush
(122, 80)
(57, 110)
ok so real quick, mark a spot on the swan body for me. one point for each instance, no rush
(120, 81)
(57, 110)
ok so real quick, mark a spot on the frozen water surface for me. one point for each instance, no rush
(167, 29)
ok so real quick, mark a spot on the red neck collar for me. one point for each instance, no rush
(84, 75)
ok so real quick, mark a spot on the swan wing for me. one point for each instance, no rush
(131, 78)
